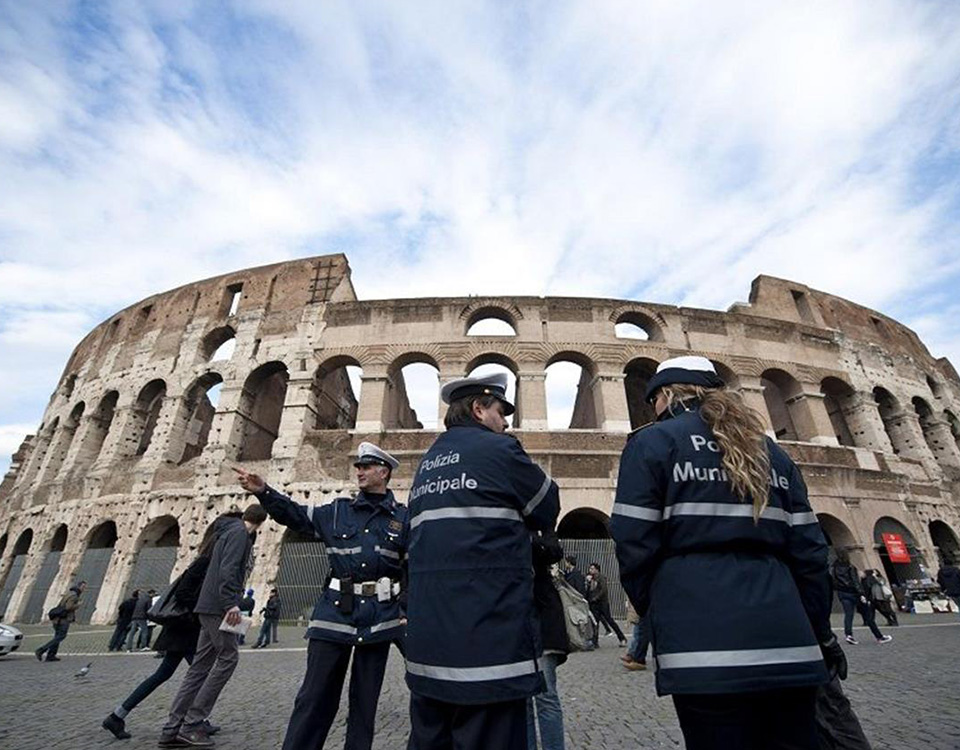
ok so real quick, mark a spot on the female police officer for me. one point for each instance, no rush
(716, 538)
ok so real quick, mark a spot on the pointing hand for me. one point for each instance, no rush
(252, 483)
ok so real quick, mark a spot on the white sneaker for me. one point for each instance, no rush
(851, 640)
(885, 639)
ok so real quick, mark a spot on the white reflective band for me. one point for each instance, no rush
(473, 674)
(748, 658)
(738, 510)
(442, 514)
(384, 626)
(310, 511)
(338, 627)
(387, 552)
(635, 511)
(344, 550)
(541, 493)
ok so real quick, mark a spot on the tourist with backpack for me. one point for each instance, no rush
(61, 616)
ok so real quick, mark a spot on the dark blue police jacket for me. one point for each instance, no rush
(734, 606)
(473, 635)
(366, 539)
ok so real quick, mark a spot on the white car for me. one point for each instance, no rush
(10, 639)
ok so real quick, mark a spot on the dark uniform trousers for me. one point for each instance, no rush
(319, 697)
(769, 720)
(437, 725)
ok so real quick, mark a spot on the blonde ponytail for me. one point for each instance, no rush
(739, 432)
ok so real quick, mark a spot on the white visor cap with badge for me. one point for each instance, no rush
(489, 385)
(368, 453)
(687, 370)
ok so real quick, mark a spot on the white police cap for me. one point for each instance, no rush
(488, 385)
(368, 453)
(689, 370)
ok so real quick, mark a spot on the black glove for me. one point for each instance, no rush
(834, 657)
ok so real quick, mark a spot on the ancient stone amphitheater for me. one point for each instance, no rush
(132, 460)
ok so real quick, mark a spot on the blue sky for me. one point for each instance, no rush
(667, 150)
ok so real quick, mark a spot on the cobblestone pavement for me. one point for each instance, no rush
(907, 694)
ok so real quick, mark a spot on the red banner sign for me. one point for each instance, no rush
(896, 548)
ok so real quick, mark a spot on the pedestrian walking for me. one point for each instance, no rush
(847, 584)
(362, 609)
(948, 578)
(177, 641)
(216, 655)
(247, 605)
(636, 657)
(473, 645)
(721, 552)
(599, 597)
(137, 636)
(271, 617)
(880, 595)
(61, 617)
(573, 575)
(544, 709)
(124, 618)
(154, 598)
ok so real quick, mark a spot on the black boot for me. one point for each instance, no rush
(115, 725)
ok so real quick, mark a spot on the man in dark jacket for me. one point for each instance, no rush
(138, 626)
(67, 614)
(574, 576)
(544, 709)
(599, 597)
(271, 617)
(247, 605)
(363, 607)
(124, 618)
(473, 643)
(216, 656)
(846, 582)
(948, 578)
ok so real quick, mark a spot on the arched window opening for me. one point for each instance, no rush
(891, 413)
(569, 389)
(20, 551)
(898, 572)
(945, 542)
(491, 321)
(93, 567)
(838, 535)
(219, 344)
(99, 427)
(838, 399)
(493, 364)
(261, 407)
(68, 385)
(303, 562)
(157, 550)
(637, 325)
(103, 536)
(62, 442)
(934, 386)
(199, 408)
(780, 389)
(931, 429)
(584, 523)
(22, 547)
(3, 545)
(638, 373)
(146, 413)
(728, 376)
(33, 610)
(954, 425)
(335, 399)
(225, 351)
(414, 395)
(59, 541)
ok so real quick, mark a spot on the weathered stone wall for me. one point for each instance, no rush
(131, 435)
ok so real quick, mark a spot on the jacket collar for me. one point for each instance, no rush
(387, 502)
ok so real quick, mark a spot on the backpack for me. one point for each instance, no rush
(579, 621)
(57, 613)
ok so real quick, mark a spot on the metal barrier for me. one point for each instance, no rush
(152, 570)
(600, 551)
(93, 567)
(13, 578)
(49, 568)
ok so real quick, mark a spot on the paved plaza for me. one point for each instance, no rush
(907, 694)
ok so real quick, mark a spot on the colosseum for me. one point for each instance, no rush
(133, 458)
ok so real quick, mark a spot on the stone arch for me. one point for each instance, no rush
(260, 410)
(145, 414)
(61, 442)
(491, 313)
(490, 362)
(650, 325)
(897, 572)
(573, 367)
(936, 388)
(780, 391)
(945, 542)
(98, 549)
(954, 424)
(727, 375)
(414, 394)
(58, 542)
(638, 372)
(839, 398)
(216, 345)
(23, 543)
(839, 536)
(21, 549)
(102, 536)
(196, 414)
(46, 575)
(891, 413)
(584, 523)
(936, 434)
(156, 551)
(69, 384)
(99, 424)
(335, 402)
(303, 562)
(3, 544)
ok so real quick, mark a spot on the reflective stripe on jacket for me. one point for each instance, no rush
(473, 635)
(734, 605)
(366, 539)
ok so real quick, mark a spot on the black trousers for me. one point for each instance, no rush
(772, 720)
(436, 725)
(316, 705)
(602, 613)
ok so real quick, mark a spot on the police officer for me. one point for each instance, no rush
(473, 642)
(362, 608)
(712, 526)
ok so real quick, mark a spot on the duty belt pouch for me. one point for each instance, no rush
(346, 596)
(383, 590)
